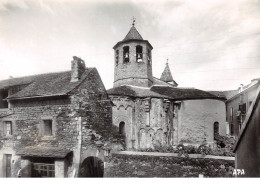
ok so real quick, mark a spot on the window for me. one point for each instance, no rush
(47, 127)
(122, 128)
(117, 57)
(231, 114)
(3, 95)
(149, 56)
(139, 53)
(242, 108)
(250, 104)
(216, 130)
(43, 170)
(126, 54)
(8, 128)
(231, 129)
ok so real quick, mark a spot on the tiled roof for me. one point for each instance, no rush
(39, 151)
(166, 75)
(27, 80)
(162, 92)
(52, 84)
(157, 81)
(133, 34)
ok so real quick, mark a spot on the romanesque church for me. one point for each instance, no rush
(153, 112)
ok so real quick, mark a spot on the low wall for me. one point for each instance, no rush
(154, 164)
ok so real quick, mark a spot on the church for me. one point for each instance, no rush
(154, 112)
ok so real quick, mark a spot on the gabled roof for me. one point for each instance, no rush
(163, 91)
(133, 34)
(52, 84)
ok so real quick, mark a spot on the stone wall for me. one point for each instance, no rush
(143, 164)
(80, 121)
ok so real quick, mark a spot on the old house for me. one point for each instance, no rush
(55, 125)
(153, 112)
(247, 147)
(238, 104)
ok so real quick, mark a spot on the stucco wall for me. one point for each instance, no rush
(245, 97)
(196, 120)
(248, 151)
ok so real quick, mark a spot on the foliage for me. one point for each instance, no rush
(224, 148)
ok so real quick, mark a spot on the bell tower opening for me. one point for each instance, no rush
(139, 53)
(126, 54)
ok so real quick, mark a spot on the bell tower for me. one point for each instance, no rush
(133, 60)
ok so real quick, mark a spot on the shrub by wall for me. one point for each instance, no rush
(148, 164)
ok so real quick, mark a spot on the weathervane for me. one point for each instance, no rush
(133, 21)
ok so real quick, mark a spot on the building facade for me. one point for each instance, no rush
(55, 125)
(154, 113)
(247, 147)
(238, 104)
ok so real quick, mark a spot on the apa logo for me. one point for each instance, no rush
(237, 172)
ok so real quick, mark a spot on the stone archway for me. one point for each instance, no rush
(92, 167)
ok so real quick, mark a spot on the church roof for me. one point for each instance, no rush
(166, 75)
(157, 91)
(133, 34)
(44, 85)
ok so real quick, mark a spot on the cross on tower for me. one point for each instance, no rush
(167, 61)
(133, 19)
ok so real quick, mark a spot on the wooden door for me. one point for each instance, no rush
(8, 165)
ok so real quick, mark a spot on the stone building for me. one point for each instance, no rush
(153, 112)
(238, 104)
(55, 125)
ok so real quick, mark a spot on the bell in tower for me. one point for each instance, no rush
(133, 60)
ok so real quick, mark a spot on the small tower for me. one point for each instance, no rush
(167, 75)
(133, 60)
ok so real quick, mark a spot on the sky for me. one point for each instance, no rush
(210, 44)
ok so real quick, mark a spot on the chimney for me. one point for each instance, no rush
(77, 69)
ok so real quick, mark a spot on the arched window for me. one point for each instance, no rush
(122, 128)
(117, 57)
(216, 130)
(126, 54)
(149, 56)
(139, 53)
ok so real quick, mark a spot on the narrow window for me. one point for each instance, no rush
(139, 53)
(231, 129)
(47, 127)
(126, 54)
(8, 128)
(216, 130)
(149, 56)
(122, 128)
(117, 57)
(250, 104)
(231, 114)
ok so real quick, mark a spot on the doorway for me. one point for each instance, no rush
(8, 170)
(92, 167)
